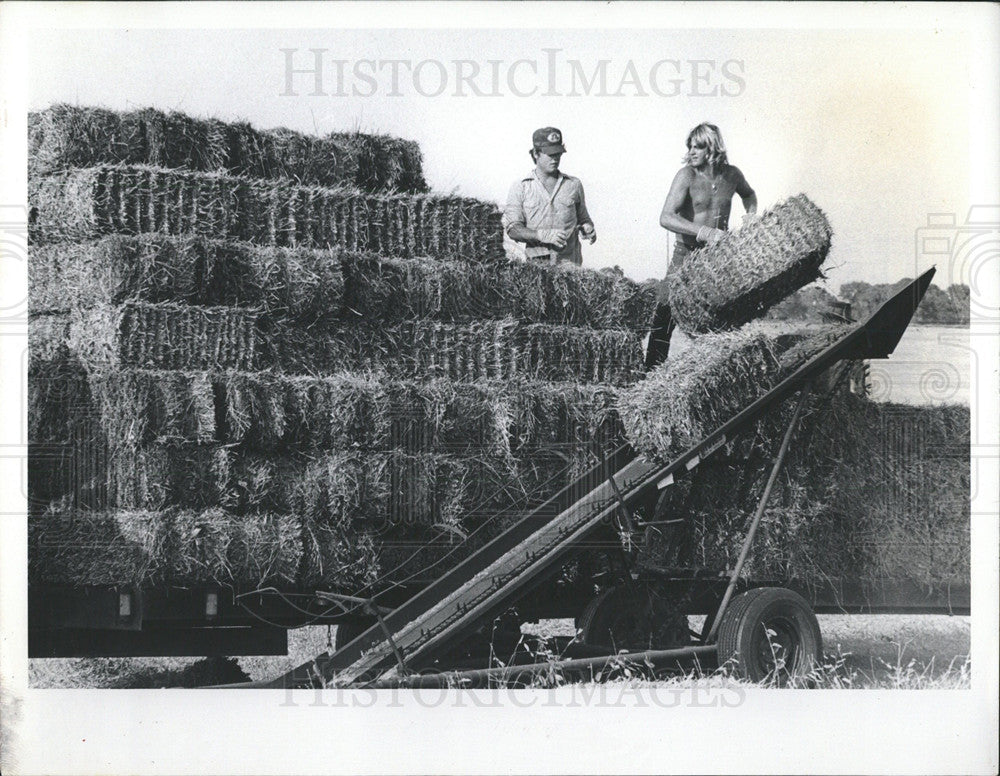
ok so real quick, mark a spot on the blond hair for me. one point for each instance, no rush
(709, 136)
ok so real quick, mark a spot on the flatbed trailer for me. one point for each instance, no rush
(408, 636)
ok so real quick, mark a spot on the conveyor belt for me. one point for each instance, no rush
(485, 584)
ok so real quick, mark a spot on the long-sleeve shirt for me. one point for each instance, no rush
(530, 205)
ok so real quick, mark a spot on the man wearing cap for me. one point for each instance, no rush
(546, 210)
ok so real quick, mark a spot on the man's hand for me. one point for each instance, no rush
(554, 237)
(710, 235)
(589, 233)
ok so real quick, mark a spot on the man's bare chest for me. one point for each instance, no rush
(709, 194)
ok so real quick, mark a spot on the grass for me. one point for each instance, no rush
(892, 652)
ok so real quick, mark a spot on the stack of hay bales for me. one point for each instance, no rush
(336, 381)
(871, 492)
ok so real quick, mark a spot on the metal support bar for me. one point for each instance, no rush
(625, 531)
(761, 506)
(364, 603)
(465, 678)
(372, 609)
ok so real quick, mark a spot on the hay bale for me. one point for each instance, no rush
(404, 289)
(268, 411)
(135, 406)
(295, 282)
(388, 289)
(498, 499)
(571, 353)
(164, 336)
(475, 350)
(377, 490)
(337, 558)
(47, 338)
(337, 488)
(877, 492)
(244, 551)
(684, 399)
(176, 140)
(122, 547)
(353, 508)
(186, 337)
(58, 396)
(384, 163)
(725, 285)
(92, 548)
(603, 299)
(83, 204)
(64, 136)
(310, 284)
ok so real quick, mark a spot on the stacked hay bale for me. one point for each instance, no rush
(871, 493)
(237, 378)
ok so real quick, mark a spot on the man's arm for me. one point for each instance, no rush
(747, 194)
(583, 219)
(517, 230)
(670, 216)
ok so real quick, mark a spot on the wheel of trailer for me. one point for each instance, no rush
(636, 618)
(770, 633)
(348, 630)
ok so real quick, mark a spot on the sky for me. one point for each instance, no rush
(873, 125)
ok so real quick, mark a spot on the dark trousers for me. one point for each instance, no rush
(659, 335)
(663, 322)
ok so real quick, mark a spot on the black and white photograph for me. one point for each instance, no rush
(534, 387)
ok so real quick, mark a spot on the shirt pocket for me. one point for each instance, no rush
(535, 206)
(565, 207)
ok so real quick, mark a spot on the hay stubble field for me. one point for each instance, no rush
(861, 652)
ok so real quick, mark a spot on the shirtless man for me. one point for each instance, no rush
(697, 210)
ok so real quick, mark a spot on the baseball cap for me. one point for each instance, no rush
(548, 140)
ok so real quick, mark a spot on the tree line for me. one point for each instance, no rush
(939, 306)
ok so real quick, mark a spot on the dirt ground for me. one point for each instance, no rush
(874, 649)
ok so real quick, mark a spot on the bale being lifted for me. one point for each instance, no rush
(749, 270)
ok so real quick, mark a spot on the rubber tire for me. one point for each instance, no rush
(743, 642)
(348, 630)
(596, 625)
